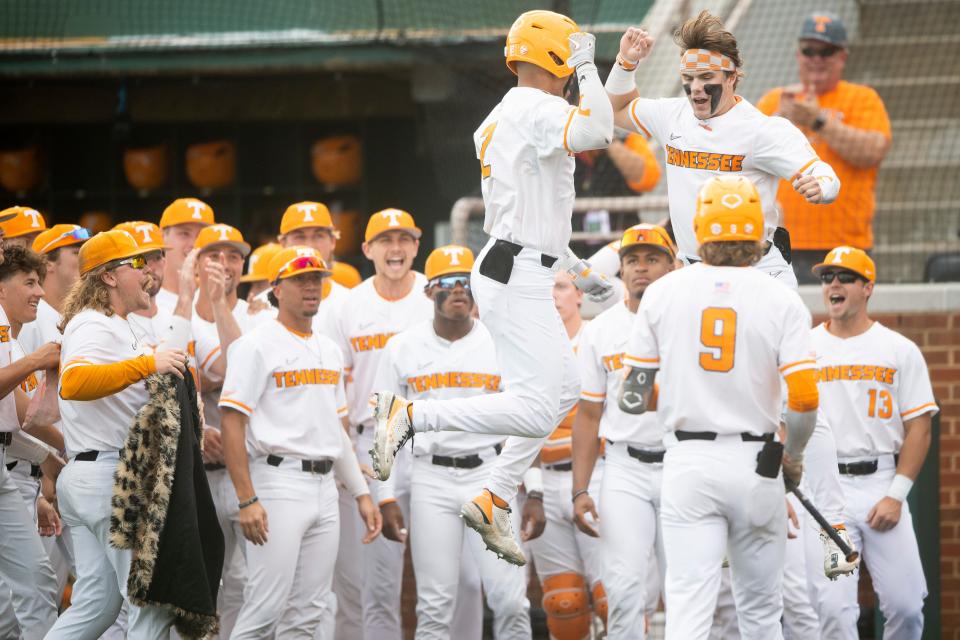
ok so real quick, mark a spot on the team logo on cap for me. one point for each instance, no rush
(453, 253)
(838, 254)
(307, 210)
(223, 230)
(821, 23)
(34, 216)
(394, 216)
(197, 207)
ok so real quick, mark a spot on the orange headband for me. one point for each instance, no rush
(705, 60)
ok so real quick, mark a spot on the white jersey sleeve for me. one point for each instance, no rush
(796, 351)
(242, 391)
(593, 378)
(643, 352)
(647, 116)
(782, 149)
(915, 394)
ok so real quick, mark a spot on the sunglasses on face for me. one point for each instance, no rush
(136, 262)
(814, 52)
(845, 277)
(451, 282)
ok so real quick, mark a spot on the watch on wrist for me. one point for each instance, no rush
(818, 123)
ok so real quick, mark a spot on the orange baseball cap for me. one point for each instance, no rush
(851, 259)
(259, 263)
(305, 214)
(186, 210)
(345, 274)
(649, 235)
(293, 261)
(23, 221)
(221, 234)
(147, 234)
(59, 235)
(108, 246)
(447, 260)
(389, 220)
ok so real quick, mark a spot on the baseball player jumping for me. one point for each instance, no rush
(450, 356)
(875, 391)
(284, 405)
(525, 148)
(722, 334)
(630, 487)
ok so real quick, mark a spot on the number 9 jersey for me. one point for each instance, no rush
(721, 337)
(870, 385)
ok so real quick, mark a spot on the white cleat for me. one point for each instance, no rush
(835, 564)
(494, 526)
(392, 429)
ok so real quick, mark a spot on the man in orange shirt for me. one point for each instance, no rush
(848, 127)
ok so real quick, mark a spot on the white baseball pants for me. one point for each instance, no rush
(84, 490)
(348, 573)
(234, 576)
(437, 545)
(714, 503)
(894, 560)
(562, 547)
(629, 509)
(289, 577)
(24, 567)
(800, 621)
(538, 368)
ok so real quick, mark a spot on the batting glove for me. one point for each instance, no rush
(593, 283)
(583, 46)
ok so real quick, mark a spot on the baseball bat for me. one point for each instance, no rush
(849, 553)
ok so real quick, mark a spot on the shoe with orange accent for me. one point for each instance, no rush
(489, 516)
(393, 428)
(835, 564)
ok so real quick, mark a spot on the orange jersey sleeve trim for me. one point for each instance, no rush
(802, 393)
(928, 405)
(203, 365)
(636, 120)
(236, 404)
(798, 363)
(386, 501)
(589, 394)
(85, 381)
(566, 129)
(642, 360)
(809, 164)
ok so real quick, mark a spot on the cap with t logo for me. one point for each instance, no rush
(447, 260)
(390, 220)
(147, 234)
(221, 236)
(825, 27)
(302, 215)
(24, 221)
(185, 211)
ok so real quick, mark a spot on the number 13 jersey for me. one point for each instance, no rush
(870, 385)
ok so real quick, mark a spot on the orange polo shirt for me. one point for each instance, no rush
(849, 219)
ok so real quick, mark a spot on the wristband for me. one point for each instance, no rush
(534, 495)
(533, 480)
(247, 503)
(900, 487)
(577, 494)
(620, 81)
(626, 64)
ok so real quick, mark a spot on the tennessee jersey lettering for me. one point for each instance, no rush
(856, 372)
(704, 160)
(305, 376)
(458, 379)
(367, 343)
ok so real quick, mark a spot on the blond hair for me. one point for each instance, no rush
(706, 31)
(741, 253)
(89, 292)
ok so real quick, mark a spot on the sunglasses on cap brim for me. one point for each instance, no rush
(451, 281)
(845, 277)
(299, 265)
(80, 235)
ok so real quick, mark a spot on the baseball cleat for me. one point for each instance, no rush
(393, 428)
(835, 564)
(492, 522)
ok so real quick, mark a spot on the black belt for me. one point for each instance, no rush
(213, 466)
(650, 457)
(712, 435)
(309, 466)
(6, 438)
(471, 461)
(545, 260)
(863, 468)
(560, 466)
(86, 456)
(34, 468)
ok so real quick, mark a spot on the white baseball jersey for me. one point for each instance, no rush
(334, 297)
(44, 329)
(207, 351)
(367, 320)
(153, 330)
(418, 364)
(870, 385)
(31, 383)
(290, 385)
(167, 300)
(743, 141)
(102, 424)
(600, 356)
(8, 404)
(719, 336)
(527, 170)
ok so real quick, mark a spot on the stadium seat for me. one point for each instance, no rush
(943, 267)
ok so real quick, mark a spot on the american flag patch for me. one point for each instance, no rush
(721, 287)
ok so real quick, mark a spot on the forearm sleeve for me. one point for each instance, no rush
(827, 177)
(636, 394)
(87, 381)
(347, 468)
(801, 416)
(591, 125)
